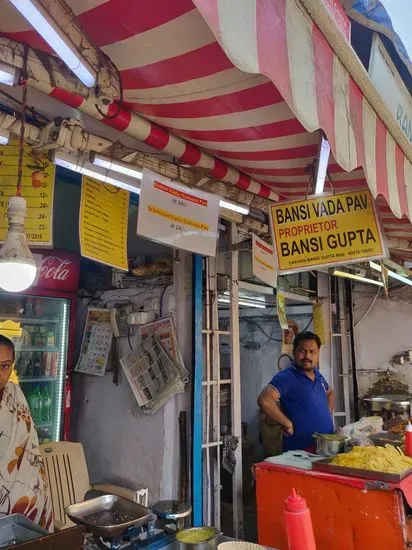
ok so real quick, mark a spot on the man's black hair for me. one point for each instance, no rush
(302, 336)
(4, 341)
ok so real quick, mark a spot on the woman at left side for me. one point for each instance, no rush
(23, 483)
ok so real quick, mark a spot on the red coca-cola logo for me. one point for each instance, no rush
(58, 270)
(55, 268)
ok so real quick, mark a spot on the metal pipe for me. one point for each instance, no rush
(197, 474)
(216, 435)
(207, 449)
(236, 409)
(349, 297)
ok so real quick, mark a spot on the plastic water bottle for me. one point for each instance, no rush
(298, 523)
(29, 397)
(35, 405)
(45, 404)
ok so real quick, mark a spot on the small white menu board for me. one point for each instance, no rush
(263, 261)
(96, 344)
(175, 215)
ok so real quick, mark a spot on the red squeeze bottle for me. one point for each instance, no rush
(408, 440)
(298, 523)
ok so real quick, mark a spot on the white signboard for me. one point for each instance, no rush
(390, 86)
(263, 261)
(177, 216)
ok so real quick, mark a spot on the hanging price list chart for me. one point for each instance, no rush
(37, 189)
(104, 214)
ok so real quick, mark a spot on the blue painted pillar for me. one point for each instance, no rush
(197, 472)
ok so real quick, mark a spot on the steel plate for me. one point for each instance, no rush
(108, 515)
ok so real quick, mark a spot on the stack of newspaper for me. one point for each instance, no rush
(155, 370)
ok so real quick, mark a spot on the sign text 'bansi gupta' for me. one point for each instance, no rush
(325, 230)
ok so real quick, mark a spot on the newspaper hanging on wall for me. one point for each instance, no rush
(152, 375)
(164, 330)
(96, 344)
(155, 370)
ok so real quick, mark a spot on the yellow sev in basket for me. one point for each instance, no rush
(386, 459)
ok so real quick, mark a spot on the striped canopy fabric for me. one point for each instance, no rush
(249, 82)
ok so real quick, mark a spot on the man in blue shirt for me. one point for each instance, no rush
(305, 398)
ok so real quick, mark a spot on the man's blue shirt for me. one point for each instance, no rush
(305, 403)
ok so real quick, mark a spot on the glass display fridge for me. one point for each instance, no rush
(41, 324)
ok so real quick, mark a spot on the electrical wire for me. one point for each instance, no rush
(111, 189)
(162, 296)
(308, 325)
(128, 299)
(281, 356)
(128, 337)
(252, 330)
(373, 301)
(269, 336)
(33, 111)
(22, 124)
(106, 116)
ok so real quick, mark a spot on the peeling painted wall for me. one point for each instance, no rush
(385, 331)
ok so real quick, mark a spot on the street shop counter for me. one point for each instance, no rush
(348, 513)
(171, 545)
(75, 538)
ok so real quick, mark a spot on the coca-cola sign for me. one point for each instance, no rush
(57, 270)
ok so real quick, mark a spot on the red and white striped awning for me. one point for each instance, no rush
(249, 82)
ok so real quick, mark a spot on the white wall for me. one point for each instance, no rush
(385, 331)
(122, 445)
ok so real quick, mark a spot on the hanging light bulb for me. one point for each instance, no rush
(17, 265)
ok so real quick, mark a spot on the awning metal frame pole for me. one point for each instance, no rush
(236, 384)
(197, 474)
(206, 399)
(212, 437)
(215, 379)
(340, 358)
(345, 335)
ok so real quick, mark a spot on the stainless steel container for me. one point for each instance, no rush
(210, 534)
(329, 447)
(16, 529)
(396, 403)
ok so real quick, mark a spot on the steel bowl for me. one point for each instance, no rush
(210, 542)
(329, 447)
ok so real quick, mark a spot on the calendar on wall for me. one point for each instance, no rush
(96, 344)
